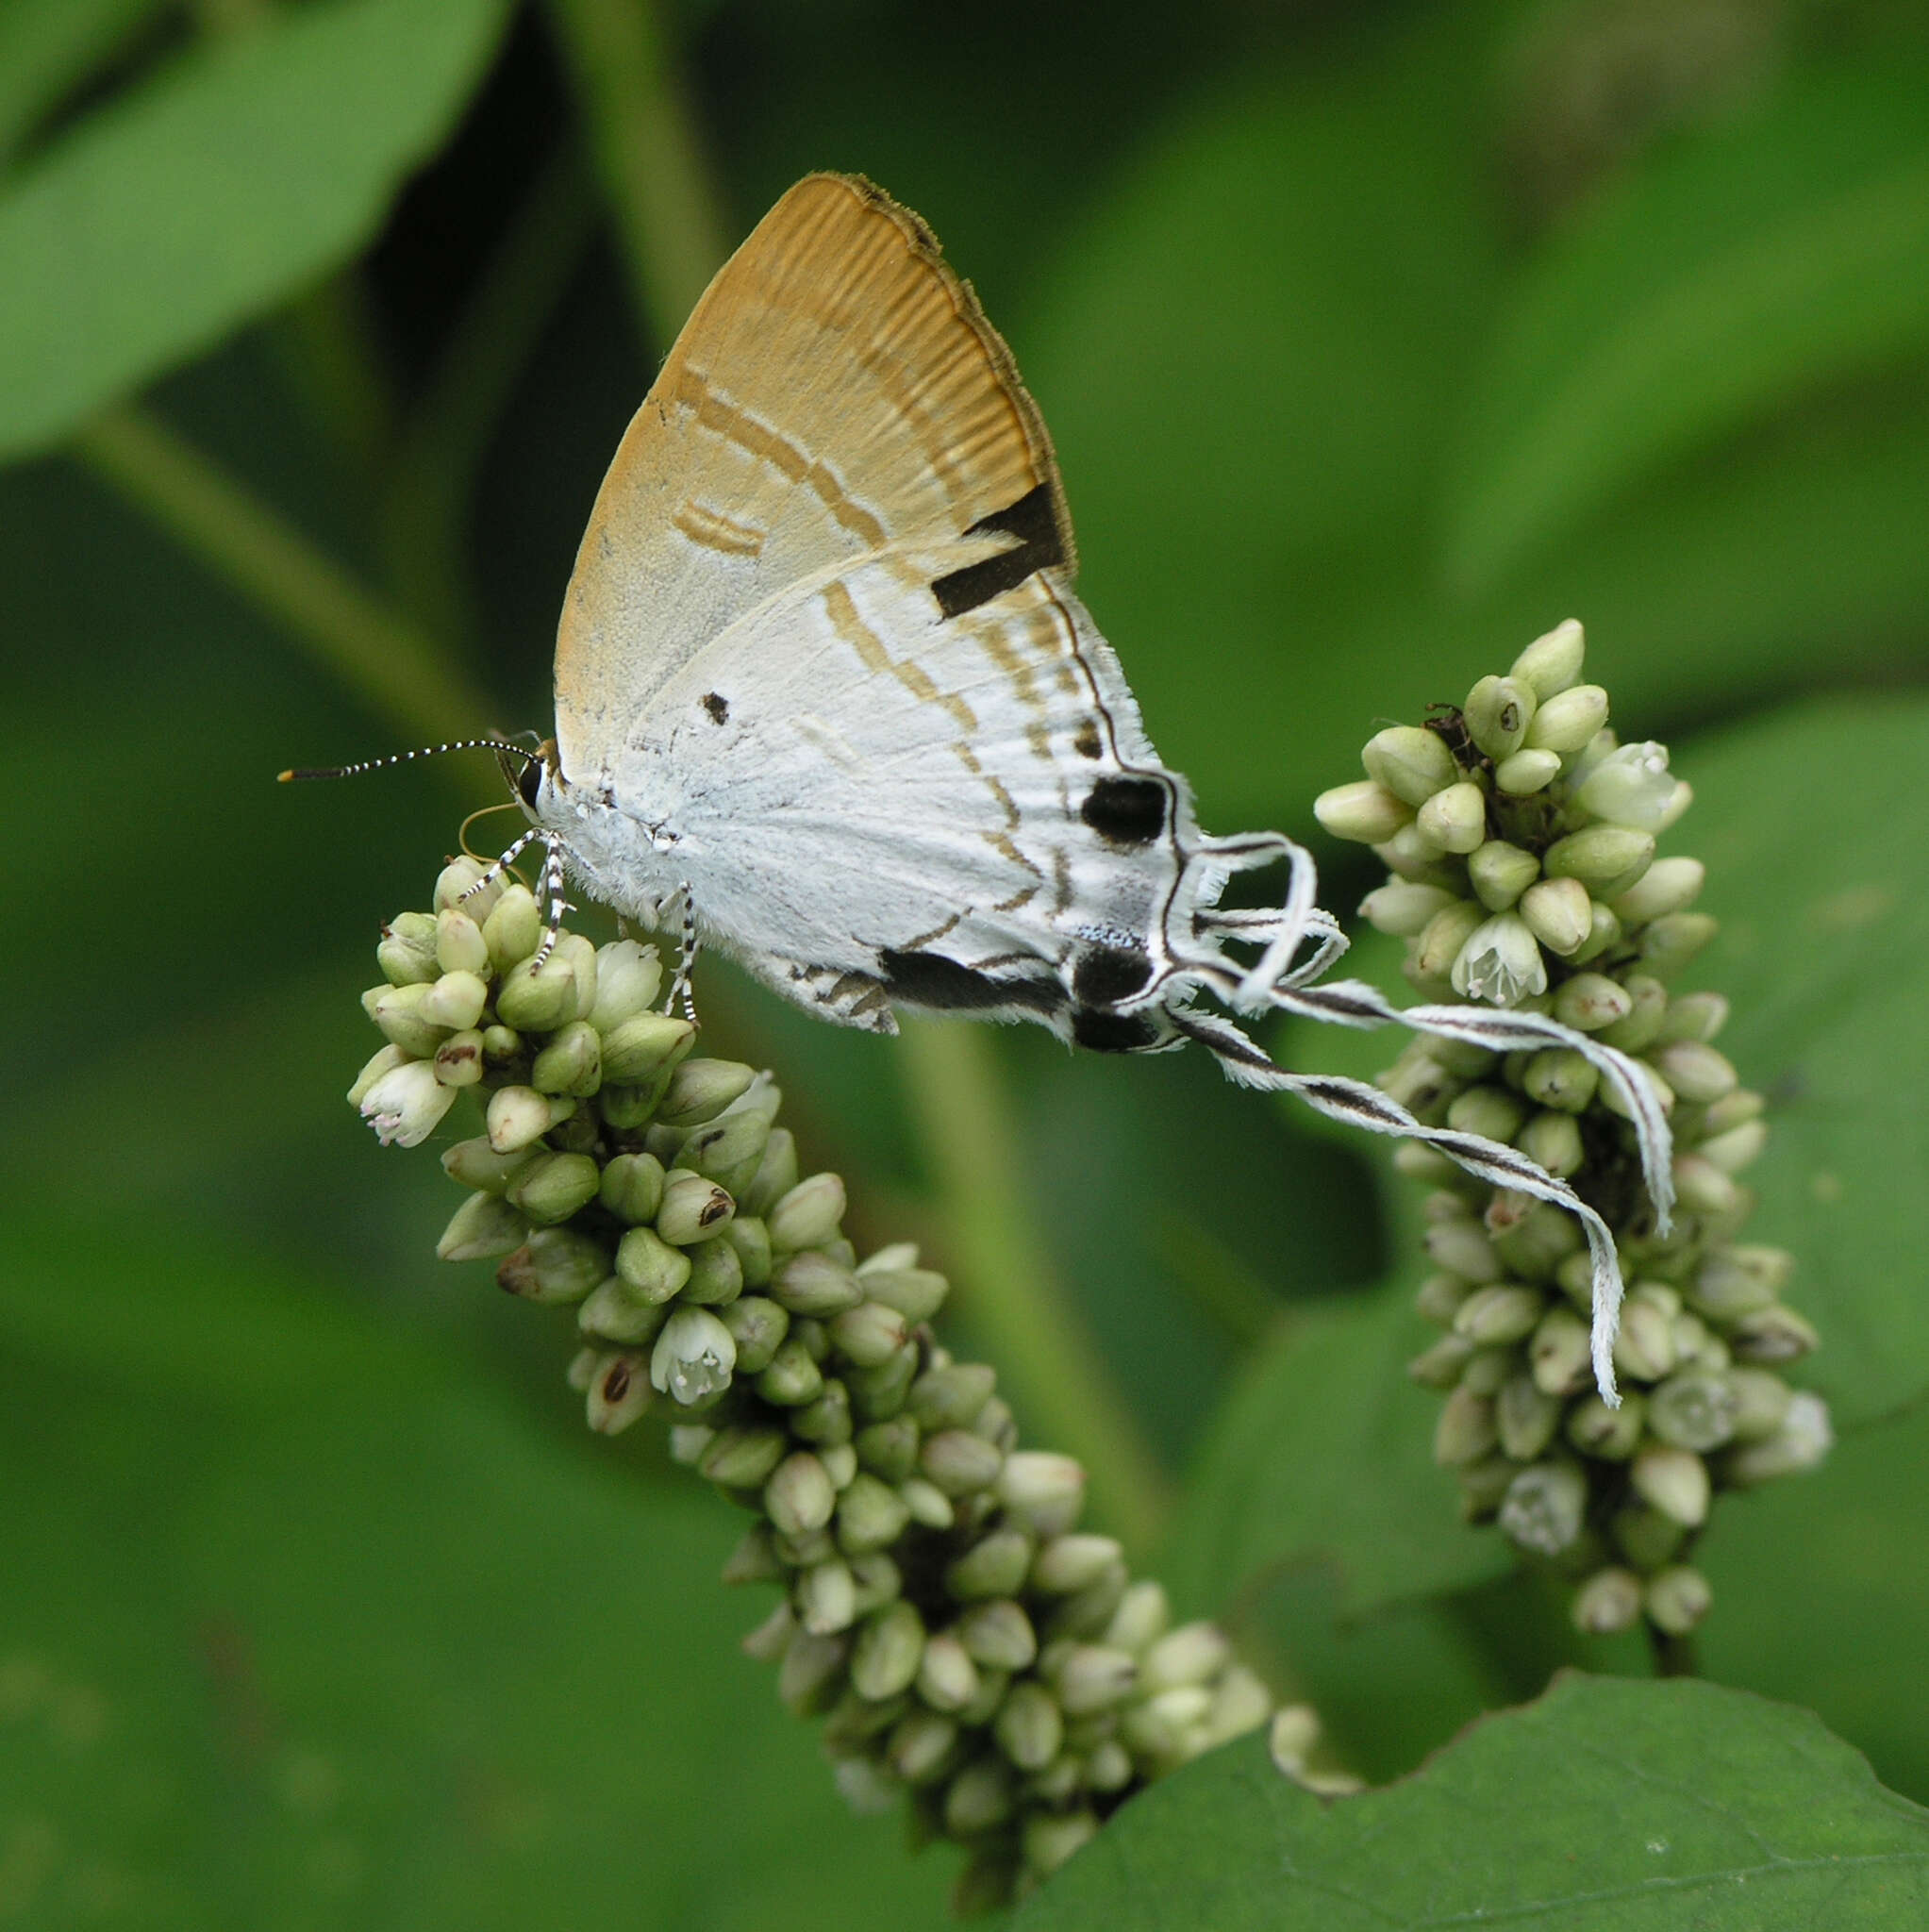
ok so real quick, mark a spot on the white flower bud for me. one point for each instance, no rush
(1501, 963)
(694, 1357)
(407, 1105)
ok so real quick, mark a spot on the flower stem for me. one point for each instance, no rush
(667, 212)
(402, 673)
(1007, 1286)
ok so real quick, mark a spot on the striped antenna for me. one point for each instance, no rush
(498, 745)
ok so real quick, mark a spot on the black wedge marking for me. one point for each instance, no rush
(1107, 1032)
(1127, 811)
(929, 979)
(1106, 975)
(1034, 521)
(719, 707)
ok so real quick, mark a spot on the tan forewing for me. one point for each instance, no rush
(837, 389)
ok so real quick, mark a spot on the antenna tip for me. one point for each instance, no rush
(284, 777)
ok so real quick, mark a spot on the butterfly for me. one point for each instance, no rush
(822, 678)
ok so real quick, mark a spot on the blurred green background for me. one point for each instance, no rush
(1374, 340)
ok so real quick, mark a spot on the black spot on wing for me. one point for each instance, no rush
(1107, 1032)
(1127, 811)
(1106, 975)
(718, 707)
(1087, 743)
(929, 979)
(1034, 521)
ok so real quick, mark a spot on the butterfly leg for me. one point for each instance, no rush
(686, 961)
(555, 893)
(500, 866)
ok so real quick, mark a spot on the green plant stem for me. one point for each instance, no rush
(1006, 1282)
(402, 673)
(1675, 1657)
(644, 137)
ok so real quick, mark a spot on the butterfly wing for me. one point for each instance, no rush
(837, 388)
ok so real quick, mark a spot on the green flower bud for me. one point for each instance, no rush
(889, 1449)
(812, 1284)
(1677, 1599)
(483, 1227)
(1693, 1410)
(1526, 772)
(1561, 1077)
(1699, 1075)
(1608, 1604)
(1410, 855)
(1544, 1508)
(632, 1187)
(1804, 1439)
(1087, 1612)
(889, 1650)
(870, 1515)
(1773, 1334)
(512, 927)
(1455, 819)
(552, 1186)
(1502, 1313)
(716, 1276)
(1498, 712)
(1525, 1417)
(1670, 885)
(1439, 1297)
(1740, 1280)
(949, 1396)
(1644, 1347)
(840, 1459)
(959, 1462)
(868, 1335)
(947, 1678)
(1143, 1616)
(1647, 1538)
(578, 955)
(1030, 1728)
(1041, 1490)
(730, 1149)
(476, 1164)
(1552, 662)
(1487, 1368)
(1192, 1653)
(455, 886)
(1568, 719)
(694, 1357)
(1609, 1435)
(1553, 1138)
(1445, 936)
(1069, 1563)
(825, 1420)
(777, 1175)
(1365, 813)
(693, 1209)
(619, 1393)
(1466, 1429)
(1590, 1001)
(642, 1049)
(650, 1265)
(929, 1505)
(995, 1566)
(743, 1457)
(997, 1635)
(555, 1265)
(799, 1552)
(1559, 1354)
(1410, 761)
(826, 1598)
(809, 1215)
(754, 1561)
(1606, 859)
(615, 1313)
(1761, 1401)
(1604, 930)
(458, 1059)
(1500, 873)
(813, 1673)
(628, 977)
(570, 1063)
(536, 1000)
(1484, 1487)
(397, 1010)
(800, 1495)
(1403, 909)
(922, 1747)
(699, 1090)
(459, 946)
(1050, 1838)
(1462, 1248)
(791, 1379)
(1667, 943)
(748, 1239)
(878, 1393)
(1643, 1024)
(1701, 1186)
(979, 1798)
(1695, 1016)
(384, 1063)
(519, 1116)
(916, 1293)
(1674, 1481)
(1731, 1152)
(1500, 962)
(1241, 1703)
(1090, 1676)
(1559, 913)
(1492, 1111)
(1441, 1366)
(406, 953)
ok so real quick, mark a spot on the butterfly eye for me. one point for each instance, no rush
(529, 782)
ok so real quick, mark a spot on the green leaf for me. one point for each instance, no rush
(1324, 1455)
(1604, 1806)
(46, 47)
(1759, 262)
(302, 1628)
(1811, 823)
(214, 192)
